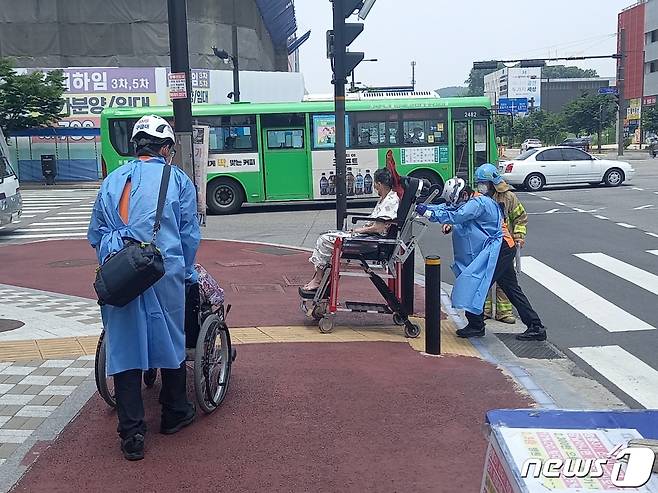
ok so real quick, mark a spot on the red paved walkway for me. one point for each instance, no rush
(261, 282)
(302, 417)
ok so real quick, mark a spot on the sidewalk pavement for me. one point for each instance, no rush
(356, 410)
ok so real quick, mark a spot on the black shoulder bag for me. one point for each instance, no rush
(136, 267)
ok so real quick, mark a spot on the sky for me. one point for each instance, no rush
(445, 37)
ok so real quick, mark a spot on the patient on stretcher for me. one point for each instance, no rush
(386, 208)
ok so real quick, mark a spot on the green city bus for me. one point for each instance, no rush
(284, 151)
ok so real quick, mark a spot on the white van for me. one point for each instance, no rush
(11, 204)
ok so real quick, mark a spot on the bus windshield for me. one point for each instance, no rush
(5, 167)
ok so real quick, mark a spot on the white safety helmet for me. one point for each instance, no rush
(153, 128)
(452, 189)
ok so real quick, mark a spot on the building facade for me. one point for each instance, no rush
(557, 93)
(126, 33)
(514, 83)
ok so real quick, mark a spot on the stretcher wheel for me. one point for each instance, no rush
(319, 312)
(398, 319)
(327, 324)
(150, 376)
(411, 330)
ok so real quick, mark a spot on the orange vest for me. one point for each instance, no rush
(506, 234)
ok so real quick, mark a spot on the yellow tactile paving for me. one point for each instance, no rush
(79, 346)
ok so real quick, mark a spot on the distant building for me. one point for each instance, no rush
(557, 93)
(514, 82)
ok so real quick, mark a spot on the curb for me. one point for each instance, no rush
(90, 185)
(520, 376)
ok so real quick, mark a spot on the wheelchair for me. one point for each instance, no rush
(211, 364)
(378, 258)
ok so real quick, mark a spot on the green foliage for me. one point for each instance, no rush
(29, 100)
(564, 72)
(650, 119)
(589, 113)
(475, 80)
(452, 91)
(547, 127)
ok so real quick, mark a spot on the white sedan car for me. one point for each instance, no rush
(535, 168)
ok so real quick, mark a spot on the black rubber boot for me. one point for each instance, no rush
(470, 331)
(534, 333)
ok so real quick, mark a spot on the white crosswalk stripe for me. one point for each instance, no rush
(59, 214)
(646, 280)
(630, 374)
(598, 309)
(653, 252)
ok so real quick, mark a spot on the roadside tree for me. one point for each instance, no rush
(29, 100)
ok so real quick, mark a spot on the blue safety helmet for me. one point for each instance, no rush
(488, 172)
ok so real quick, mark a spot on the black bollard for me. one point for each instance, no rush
(433, 305)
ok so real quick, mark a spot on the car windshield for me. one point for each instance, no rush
(526, 154)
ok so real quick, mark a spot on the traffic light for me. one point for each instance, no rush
(490, 65)
(344, 34)
(532, 63)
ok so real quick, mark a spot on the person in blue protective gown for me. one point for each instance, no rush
(484, 253)
(149, 331)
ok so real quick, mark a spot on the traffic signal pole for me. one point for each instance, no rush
(180, 63)
(621, 69)
(339, 102)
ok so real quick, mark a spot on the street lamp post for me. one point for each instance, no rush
(226, 58)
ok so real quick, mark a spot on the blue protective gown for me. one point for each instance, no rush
(149, 332)
(477, 236)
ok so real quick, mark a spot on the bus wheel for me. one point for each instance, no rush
(225, 196)
(431, 176)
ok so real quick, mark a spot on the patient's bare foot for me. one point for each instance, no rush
(312, 285)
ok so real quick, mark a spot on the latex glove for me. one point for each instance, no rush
(447, 229)
(520, 242)
(422, 210)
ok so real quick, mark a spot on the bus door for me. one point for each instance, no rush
(286, 160)
(471, 141)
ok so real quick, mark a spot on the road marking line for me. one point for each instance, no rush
(25, 216)
(624, 225)
(637, 188)
(53, 235)
(60, 223)
(598, 216)
(653, 252)
(577, 209)
(544, 198)
(551, 211)
(62, 217)
(642, 207)
(645, 280)
(560, 203)
(601, 311)
(629, 373)
(30, 229)
(651, 234)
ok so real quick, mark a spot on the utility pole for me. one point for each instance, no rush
(236, 66)
(413, 75)
(621, 70)
(180, 63)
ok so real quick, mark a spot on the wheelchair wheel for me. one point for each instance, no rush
(150, 376)
(398, 319)
(212, 363)
(411, 330)
(104, 384)
(326, 324)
